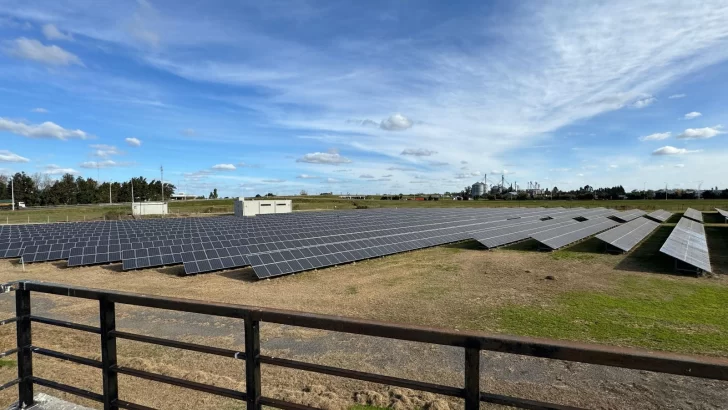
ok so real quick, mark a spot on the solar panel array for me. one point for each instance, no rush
(625, 237)
(687, 243)
(627, 216)
(694, 214)
(660, 215)
(285, 243)
(559, 236)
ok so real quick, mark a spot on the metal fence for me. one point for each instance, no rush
(472, 342)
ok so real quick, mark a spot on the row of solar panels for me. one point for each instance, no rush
(299, 242)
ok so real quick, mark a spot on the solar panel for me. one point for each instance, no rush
(659, 215)
(625, 237)
(693, 214)
(558, 237)
(687, 243)
(627, 216)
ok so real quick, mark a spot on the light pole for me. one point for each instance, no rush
(161, 169)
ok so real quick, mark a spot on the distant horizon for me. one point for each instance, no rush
(251, 97)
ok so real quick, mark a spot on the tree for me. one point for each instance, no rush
(213, 194)
(303, 193)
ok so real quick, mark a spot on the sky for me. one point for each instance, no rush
(366, 97)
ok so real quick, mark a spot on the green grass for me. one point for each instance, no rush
(653, 313)
(571, 256)
(8, 363)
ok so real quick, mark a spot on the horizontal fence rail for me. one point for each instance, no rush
(473, 344)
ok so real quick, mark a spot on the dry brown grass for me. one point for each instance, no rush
(453, 287)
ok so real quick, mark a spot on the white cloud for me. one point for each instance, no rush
(331, 181)
(273, 181)
(224, 167)
(324, 158)
(306, 176)
(133, 142)
(701, 133)
(7, 156)
(102, 164)
(53, 169)
(644, 102)
(366, 176)
(691, 115)
(507, 172)
(676, 96)
(387, 176)
(464, 162)
(396, 122)
(246, 165)
(104, 151)
(45, 130)
(40, 110)
(364, 123)
(560, 169)
(418, 152)
(580, 175)
(401, 169)
(34, 50)
(613, 166)
(51, 32)
(668, 150)
(679, 165)
(656, 136)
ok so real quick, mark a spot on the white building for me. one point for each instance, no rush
(252, 208)
(148, 208)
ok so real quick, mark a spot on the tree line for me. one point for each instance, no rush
(40, 189)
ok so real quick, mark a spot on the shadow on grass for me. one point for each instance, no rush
(527, 245)
(718, 248)
(243, 275)
(713, 218)
(176, 270)
(591, 245)
(675, 218)
(646, 257)
(471, 245)
(114, 267)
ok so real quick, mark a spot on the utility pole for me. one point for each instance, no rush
(161, 169)
(12, 190)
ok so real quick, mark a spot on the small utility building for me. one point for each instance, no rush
(148, 208)
(252, 208)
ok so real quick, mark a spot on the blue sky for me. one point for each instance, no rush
(369, 97)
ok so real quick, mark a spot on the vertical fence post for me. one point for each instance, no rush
(107, 316)
(472, 378)
(25, 355)
(252, 363)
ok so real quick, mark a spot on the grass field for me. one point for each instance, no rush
(222, 206)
